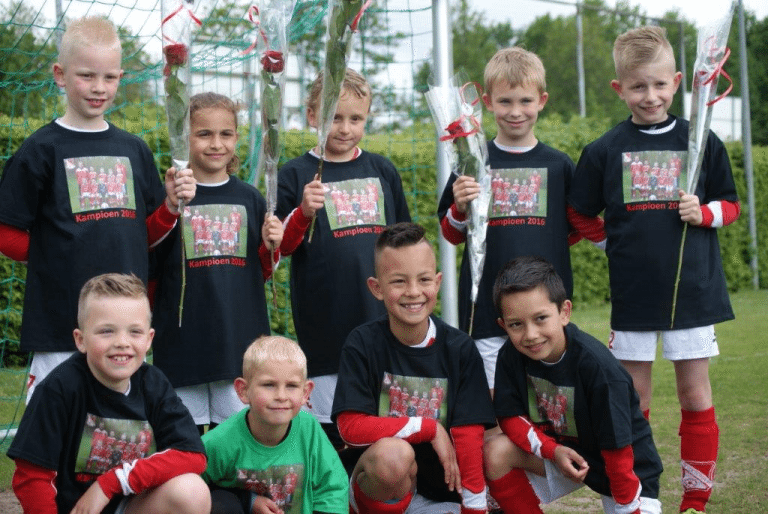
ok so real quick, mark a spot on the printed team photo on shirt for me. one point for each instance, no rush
(413, 396)
(98, 183)
(215, 229)
(354, 202)
(281, 484)
(653, 175)
(518, 192)
(109, 442)
(553, 405)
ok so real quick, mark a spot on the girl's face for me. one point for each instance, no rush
(212, 140)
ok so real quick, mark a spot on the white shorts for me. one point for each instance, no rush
(555, 485)
(677, 345)
(212, 402)
(489, 351)
(321, 397)
(42, 364)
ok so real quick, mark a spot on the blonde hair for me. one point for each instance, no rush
(110, 285)
(88, 31)
(217, 101)
(276, 348)
(517, 67)
(353, 83)
(639, 47)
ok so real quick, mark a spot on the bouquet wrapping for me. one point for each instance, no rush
(457, 113)
(176, 28)
(711, 54)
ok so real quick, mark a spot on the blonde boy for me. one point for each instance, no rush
(108, 384)
(50, 212)
(528, 213)
(436, 451)
(642, 271)
(272, 457)
(334, 266)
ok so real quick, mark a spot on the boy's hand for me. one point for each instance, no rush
(313, 198)
(465, 189)
(179, 185)
(570, 463)
(272, 231)
(92, 502)
(447, 454)
(690, 209)
(263, 505)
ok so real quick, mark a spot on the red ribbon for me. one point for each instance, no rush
(454, 129)
(356, 20)
(719, 71)
(174, 13)
(253, 9)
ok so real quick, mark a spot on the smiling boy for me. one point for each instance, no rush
(411, 349)
(108, 384)
(569, 413)
(272, 457)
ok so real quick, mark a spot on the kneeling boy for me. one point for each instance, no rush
(273, 457)
(405, 381)
(105, 432)
(567, 407)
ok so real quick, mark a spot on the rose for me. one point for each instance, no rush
(175, 55)
(455, 129)
(272, 61)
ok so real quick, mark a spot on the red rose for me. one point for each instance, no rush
(272, 61)
(175, 55)
(455, 128)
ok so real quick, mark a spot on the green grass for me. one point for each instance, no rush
(739, 383)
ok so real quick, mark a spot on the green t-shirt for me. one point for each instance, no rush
(302, 474)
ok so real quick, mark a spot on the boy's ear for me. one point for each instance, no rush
(241, 388)
(375, 288)
(565, 312)
(487, 101)
(500, 322)
(78, 335)
(616, 85)
(308, 387)
(58, 74)
(311, 117)
(439, 278)
(677, 79)
(543, 100)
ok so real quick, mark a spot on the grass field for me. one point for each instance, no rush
(740, 388)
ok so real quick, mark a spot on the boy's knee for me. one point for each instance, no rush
(391, 460)
(495, 454)
(187, 493)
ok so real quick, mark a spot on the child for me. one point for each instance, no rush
(328, 295)
(273, 442)
(224, 305)
(108, 387)
(530, 183)
(51, 213)
(643, 247)
(401, 455)
(566, 406)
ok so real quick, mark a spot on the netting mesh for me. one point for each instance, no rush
(29, 32)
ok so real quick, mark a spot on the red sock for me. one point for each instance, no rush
(514, 494)
(699, 437)
(366, 505)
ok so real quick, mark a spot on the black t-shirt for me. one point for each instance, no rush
(526, 217)
(450, 370)
(84, 198)
(224, 303)
(329, 295)
(644, 227)
(586, 401)
(79, 428)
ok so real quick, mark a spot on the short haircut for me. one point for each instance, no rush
(639, 47)
(517, 67)
(353, 83)
(88, 31)
(399, 235)
(525, 274)
(110, 285)
(216, 101)
(277, 348)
